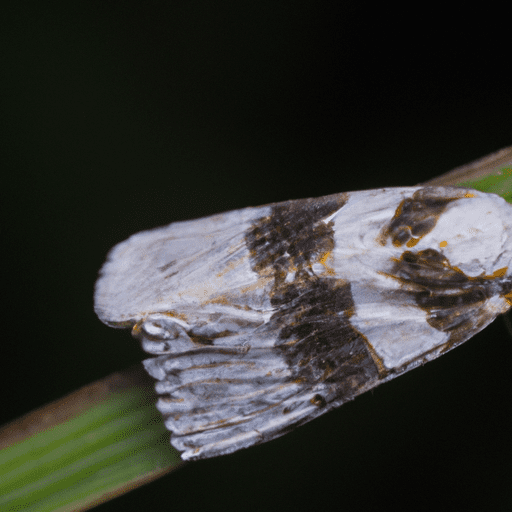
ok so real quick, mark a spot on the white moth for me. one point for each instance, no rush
(264, 318)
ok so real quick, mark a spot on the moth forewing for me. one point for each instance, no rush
(262, 319)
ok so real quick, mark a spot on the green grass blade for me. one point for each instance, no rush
(492, 173)
(499, 183)
(101, 452)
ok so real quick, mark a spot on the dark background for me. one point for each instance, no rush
(122, 116)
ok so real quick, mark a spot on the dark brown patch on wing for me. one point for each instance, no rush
(318, 341)
(455, 302)
(415, 217)
(293, 236)
(312, 314)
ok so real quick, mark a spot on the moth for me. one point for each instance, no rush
(262, 319)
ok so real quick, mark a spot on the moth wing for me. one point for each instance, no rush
(264, 318)
(250, 387)
(184, 263)
(260, 383)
